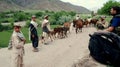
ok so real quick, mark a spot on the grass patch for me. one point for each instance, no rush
(4, 38)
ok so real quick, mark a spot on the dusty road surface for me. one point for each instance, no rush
(59, 53)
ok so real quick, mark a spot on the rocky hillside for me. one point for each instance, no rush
(8, 5)
(53, 5)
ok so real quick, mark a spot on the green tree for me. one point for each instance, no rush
(92, 13)
(39, 14)
(72, 13)
(107, 6)
(20, 16)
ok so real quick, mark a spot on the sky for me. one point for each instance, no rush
(92, 5)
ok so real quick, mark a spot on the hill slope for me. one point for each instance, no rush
(8, 5)
(53, 5)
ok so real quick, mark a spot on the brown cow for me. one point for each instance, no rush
(46, 36)
(93, 21)
(86, 22)
(78, 24)
(61, 31)
(67, 25)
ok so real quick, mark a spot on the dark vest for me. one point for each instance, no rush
(116, 29)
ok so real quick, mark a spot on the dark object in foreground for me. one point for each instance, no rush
(105, 48)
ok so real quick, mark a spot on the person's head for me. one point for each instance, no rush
(33, 17)
(17, 28)
(115, 10)
(102, 18)
(46, 17)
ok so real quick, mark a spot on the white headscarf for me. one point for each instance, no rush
(34, 24)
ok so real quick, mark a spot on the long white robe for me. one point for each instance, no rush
(44, 34)
(17, 49)
(45, 21)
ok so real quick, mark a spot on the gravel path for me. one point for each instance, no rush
(59, 53)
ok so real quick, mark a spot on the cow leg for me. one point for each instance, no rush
(81, 29)
(76, 30)
(59, 35)
(65, 33)
(49, 35)
(42, 39)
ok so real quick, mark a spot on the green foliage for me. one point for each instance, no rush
(52, 20)
(92, 13)
(7, 20)
(61, 17)
(6, 27)
(10, 20)
(72, 13)
(14, 16)
(39, 14)
(27, 23)
(12, 24)
(4, 38)
(20, 16)
(107, 6)
(54, 17)
(1, 27)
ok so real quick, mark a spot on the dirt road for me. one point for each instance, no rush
(59, 53)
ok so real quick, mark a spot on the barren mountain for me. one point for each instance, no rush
(52, 5)
(8, 5)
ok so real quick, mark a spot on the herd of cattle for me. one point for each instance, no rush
(61, 31)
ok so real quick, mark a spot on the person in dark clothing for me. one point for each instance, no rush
(115, 21)
(33, 33)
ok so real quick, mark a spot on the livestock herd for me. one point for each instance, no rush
(62, 31)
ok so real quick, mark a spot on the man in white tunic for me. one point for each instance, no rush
(77, 17)
(46, 23)
(45, 28)
(17, 45)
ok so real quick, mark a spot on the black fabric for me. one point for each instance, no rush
(34, 39)
(105, 48)
(45, 29)
(100, 26)
(35, 42)
(33, 31)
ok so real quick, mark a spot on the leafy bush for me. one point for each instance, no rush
(39, 14)
(55, 18)
(20, 16)
(107, 6)
(6, 27)
(27, 23)
(11, 20)
(1, 27)
(63, 19)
